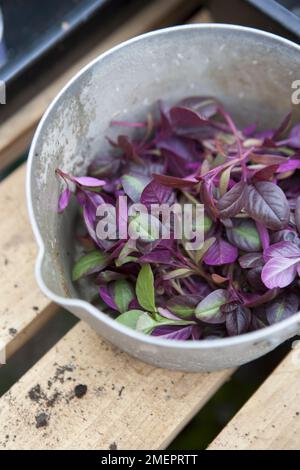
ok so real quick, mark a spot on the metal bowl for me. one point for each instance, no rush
(249, 70)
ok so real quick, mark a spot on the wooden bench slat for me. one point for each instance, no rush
(16, 132)
(202, 16)
(270, 420)
(128, 403)
(24, 308)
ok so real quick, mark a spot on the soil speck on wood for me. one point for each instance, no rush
(35, 393)
(80, 390)
(42, 420)
(12, 331)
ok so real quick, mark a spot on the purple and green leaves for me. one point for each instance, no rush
(245, 275)
(92, 262)
(209, 309)
(282, 264)
(281, 308)
(243, 234)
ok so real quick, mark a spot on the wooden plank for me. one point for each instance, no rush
(21, 301)
(128, 404)
(270, 420)
(16, 132)
(202, 16)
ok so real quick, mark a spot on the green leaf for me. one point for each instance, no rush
(145, 288)
(127, 259)
(134, 185)
(208, 310)
(146, 323)
(224, 180)
(92, 262)
(244, 235)
(207, 223)
(179, 273)
(183, 306)
(125, 254)
(144, 226)
(130, 318)
(123, 294)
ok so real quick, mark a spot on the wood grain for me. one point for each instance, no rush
(23, 308)
(202, 16)
(16, 132)
(270, 420)
(128, 404)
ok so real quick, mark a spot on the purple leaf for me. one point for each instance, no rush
(267, 204)
(238, 318)
(129, 149)
(286, 235)
(159, 257)
(233, 201)
(173, 332)
(290, 165)
(259, 320)
(164, 312)
(220, 252)
(185, 117)
(207, 198)
(175, 182)
(297, 214)
(279, 272)
(283, 307)
(107, 297)
(265, 159)
(263, 235)
(251, 260)
(283, 126)
(293, 139)
(88, 181)
(177, 146)
(255, 300)
(206, 105)
(284, 249)
(156, 193)
(64, 199)
(253, 276)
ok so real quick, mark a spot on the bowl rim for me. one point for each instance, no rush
(250, 337)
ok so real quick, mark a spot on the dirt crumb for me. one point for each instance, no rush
(113, 446)
(80, 390)
(35, 393)
(42, 420)
(60, 373)
(12, 331)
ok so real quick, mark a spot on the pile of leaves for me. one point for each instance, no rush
(246, 275)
